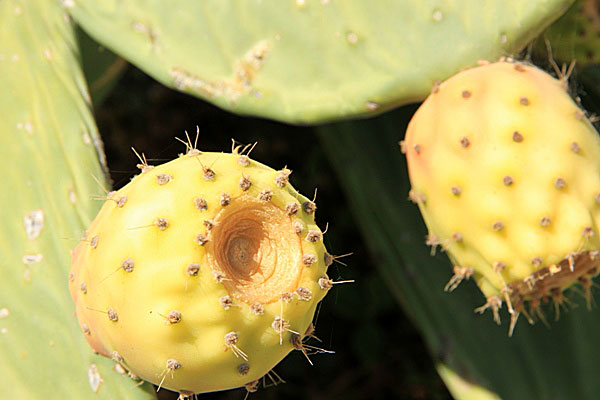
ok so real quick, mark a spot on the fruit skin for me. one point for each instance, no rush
(504, 167)
(162, 282)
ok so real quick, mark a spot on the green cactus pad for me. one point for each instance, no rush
(50, 149)
(574, 36)
(309, 61)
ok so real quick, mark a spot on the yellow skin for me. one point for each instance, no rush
(501, 155)
(251, 252)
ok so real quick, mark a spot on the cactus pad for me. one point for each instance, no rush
(309, 61)
(202, 273)
(504, 167)
(575, 35)
(51, 149)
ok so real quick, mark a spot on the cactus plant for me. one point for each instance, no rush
(202, 273)
(52, 145)
(309, 61)
(503, 166)
(52, 148)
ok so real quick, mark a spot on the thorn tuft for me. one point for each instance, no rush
(245, 183)
(309, 259)
(208, 174)
(201, 204)
(575, 147)
(460, 274)
(265, 195)
(193, 269)
(172, 364)
(174, 317)
(243, 369)
(121, 202)
(161, 223)
(112, 315)
(201, 239)
(517, 137)
(283, 178)
(292, 209)
(560, 183)
(163, 179)
(545, 221)
(257, 309)
(225, 200)
(225, 302)
(314, 236)
(304, 294)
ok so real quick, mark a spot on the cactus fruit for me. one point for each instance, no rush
(202, 273)
(504, 168)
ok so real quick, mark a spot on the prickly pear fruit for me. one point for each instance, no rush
(504, 168)
(202, 273)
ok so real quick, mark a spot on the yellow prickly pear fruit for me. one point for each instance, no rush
(504, 167)
(202, 273)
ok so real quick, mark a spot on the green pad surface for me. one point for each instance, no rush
(309, 61)
(51, 150)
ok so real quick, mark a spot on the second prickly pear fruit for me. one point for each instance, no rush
(504, 166)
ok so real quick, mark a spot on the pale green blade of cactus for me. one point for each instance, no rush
(309, 61)
(51, 150)
(559, 362)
